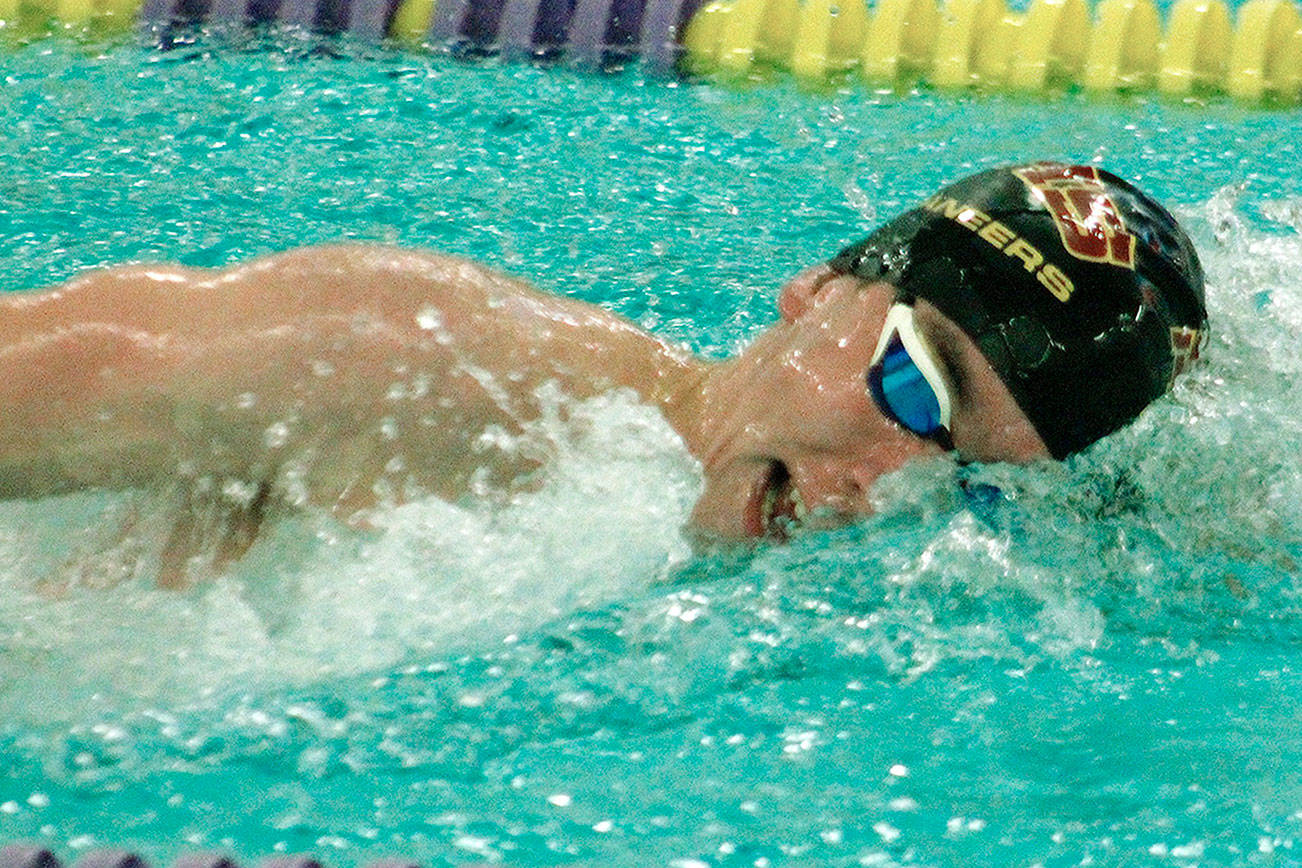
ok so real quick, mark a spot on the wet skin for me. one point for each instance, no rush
(792, 410)
(356, 375)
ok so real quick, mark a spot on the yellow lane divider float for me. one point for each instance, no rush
(41, 16)
(1118, 46)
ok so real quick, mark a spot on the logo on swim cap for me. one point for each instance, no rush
(1088, 221)
(1186, 344)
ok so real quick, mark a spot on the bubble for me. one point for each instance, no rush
(429, 319)
(240, 492)
(276, 435)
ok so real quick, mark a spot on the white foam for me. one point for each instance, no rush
(82, 622)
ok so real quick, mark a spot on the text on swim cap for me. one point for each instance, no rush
(1089, 222)
(1001, 237)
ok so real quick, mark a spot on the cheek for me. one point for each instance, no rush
(842, 415)
(813, 382)
(1013, 442)
(993, 429)
(816, 368)
(832, 375)
(834, 353)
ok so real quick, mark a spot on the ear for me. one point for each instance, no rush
(799, 293)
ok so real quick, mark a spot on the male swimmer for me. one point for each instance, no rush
(1021, 313)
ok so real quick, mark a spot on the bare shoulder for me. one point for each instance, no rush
(399, 283)
(380, 269)
(288, 287)
(387, 281)
(362, 257)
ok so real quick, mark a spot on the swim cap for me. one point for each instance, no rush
(1082, 292)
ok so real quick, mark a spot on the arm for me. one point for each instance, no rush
(76, 405)
(319, 373)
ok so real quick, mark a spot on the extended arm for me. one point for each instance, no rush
(321, 372)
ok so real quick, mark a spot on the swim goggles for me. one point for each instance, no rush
(905, 382)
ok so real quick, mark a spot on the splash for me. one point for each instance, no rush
(313, 599)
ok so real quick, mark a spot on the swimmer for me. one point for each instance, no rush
(1019, 314)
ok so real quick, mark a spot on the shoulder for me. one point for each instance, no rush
(347, 273)
(363, 258)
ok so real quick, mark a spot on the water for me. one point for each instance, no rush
(1089, 663)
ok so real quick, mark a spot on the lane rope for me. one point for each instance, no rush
(1118, 46)
(1199, 49)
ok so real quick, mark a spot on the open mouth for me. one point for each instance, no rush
(781, 507)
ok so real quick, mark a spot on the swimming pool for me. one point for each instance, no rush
(1091, 664)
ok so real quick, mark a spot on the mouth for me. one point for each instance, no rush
(777, 505)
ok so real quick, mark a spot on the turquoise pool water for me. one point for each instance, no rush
(1093, 663)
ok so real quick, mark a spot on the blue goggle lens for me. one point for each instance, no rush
(903, 393)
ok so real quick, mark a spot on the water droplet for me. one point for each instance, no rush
(429, 319)
(276, 435)
(239, 492)
(383, 490)
(293, 484)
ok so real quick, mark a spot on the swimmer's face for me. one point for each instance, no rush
(792, 431)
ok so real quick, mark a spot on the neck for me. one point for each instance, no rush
(697, 400)
(682, 395)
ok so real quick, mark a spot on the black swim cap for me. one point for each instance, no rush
(1082, 292)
